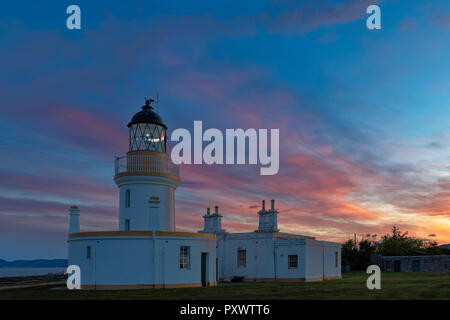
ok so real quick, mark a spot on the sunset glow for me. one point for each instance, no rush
(363, 116)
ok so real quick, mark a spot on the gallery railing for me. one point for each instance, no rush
(145, 163)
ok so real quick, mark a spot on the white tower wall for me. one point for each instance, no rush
(141, 188)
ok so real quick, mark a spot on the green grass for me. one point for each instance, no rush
(29, 282)
(423, 285)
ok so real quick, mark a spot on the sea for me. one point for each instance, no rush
(23, 272)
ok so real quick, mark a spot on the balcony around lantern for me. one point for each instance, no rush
(149, 163)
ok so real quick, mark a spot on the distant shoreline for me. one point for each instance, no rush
(7, 273)
(36, 263)
(30, 278)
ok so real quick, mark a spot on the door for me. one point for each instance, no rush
(217, 270)
(204, 268)
(416, 266)
(397, 266)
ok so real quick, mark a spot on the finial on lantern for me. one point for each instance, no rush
(148, 104)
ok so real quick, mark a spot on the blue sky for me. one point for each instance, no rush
(363, 115)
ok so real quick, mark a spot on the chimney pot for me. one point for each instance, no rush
(216, 209)
(207, 211)
(272, 204)
(74, 221)
(264, 204)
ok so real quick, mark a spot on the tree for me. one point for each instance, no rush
(348, 252)
(399, 244)
(357, 257)
(366, 249)
(432, 248)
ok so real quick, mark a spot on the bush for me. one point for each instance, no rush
(394, 244)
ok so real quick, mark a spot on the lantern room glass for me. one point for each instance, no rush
(148, 137)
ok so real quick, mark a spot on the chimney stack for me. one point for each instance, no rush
(213, 222)
(74, 222)
(268, 219)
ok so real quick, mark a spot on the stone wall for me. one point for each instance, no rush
(412, 263)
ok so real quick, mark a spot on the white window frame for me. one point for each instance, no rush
(185, 257)
(241, 258)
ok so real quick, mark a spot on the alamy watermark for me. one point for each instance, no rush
(374, 281)
(374, 20)
(74, 20)
(73, 277)
(235, 147)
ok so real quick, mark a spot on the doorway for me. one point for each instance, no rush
(397, 266)
(204, 264)
(217, 270)
(416, 266)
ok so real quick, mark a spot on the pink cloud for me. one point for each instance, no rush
(308, 16)
(59, 185)
(408, 24)
(441, 19)
(89, 129)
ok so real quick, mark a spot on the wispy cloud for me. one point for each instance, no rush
(358, 120)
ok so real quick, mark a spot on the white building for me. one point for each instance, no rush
(269, 255)
(147, 251)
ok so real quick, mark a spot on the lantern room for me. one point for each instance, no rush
(147, 130)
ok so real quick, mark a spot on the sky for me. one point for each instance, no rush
(364, 115)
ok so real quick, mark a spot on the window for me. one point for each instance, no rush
(292, 261)
(184, 257)
(88, 252)
(242, 258)
(388, 265)
(127, 198)
(127, 224)
(336, 258)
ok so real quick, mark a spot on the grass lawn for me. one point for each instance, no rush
(421, 285)
(29, 282)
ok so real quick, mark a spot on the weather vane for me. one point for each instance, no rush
(148, 102)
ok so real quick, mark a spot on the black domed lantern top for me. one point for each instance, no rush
(147, 115)
(147, 130)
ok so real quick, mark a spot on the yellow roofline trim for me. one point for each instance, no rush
(96, 234)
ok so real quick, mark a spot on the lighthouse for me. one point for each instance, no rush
(147, 252)
(146, 172)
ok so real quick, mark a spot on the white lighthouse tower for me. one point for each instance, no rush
(146, 172)
(146, 251)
